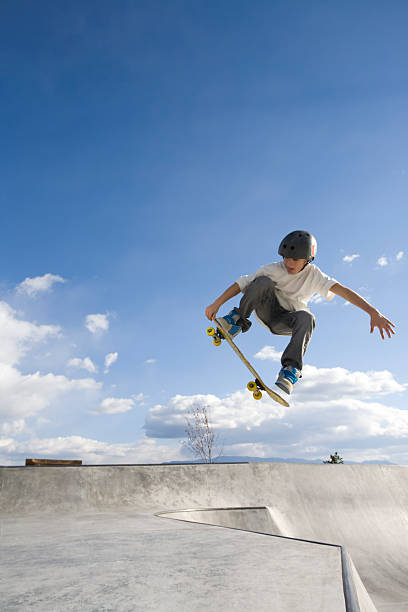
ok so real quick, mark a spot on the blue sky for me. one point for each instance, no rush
(151, 154)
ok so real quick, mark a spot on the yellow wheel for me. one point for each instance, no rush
(257, 395)
(251, 386)
(216, 342)
(210, 331)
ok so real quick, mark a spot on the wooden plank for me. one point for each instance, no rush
(53, 462)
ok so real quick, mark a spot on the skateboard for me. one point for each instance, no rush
(255, 386)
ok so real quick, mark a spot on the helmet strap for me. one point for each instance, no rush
(308, 261)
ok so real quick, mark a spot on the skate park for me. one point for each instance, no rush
(261, 536)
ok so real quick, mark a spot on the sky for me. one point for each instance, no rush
(154, 152)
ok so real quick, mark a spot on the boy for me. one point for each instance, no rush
(279, 293)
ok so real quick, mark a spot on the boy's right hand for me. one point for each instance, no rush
(213, 308)
(211, 311)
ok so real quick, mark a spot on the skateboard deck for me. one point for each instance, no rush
(256, 386)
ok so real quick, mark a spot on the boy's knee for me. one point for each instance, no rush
(263, 282)
(306, 319)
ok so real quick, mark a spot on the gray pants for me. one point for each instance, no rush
(260, 296)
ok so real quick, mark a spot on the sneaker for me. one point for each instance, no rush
(288, 376)
(234, 324)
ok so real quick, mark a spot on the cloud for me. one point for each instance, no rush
(317, 299)
(18, 336)
(350, 258)
(238, 412)
(85, 364)
(115, 405)
(332, 408)
(139, 397)
(110, 359)
(97, 323)
(327, 383)
(37, 284)
(91, 451)
(382, 261)
(268, 352)
(25, 395)
(13, 428)
(399, 255)
(151, 361)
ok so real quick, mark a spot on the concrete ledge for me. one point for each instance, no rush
(48, 462)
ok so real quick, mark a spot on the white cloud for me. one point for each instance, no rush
(382, 261)
(91, 451)
(24, 395)
(97, 323)
(85, 364)
(32, 286)
(350, 258)
(115, 405)
(13, 428)
(331, 407)
(18, 336)
(322, 383)
(110, 359)
(317, 299)
(399, 255)
(269, 352)
(238, 412)
(139, 397)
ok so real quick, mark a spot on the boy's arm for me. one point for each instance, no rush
(229, 293)
(377, 319)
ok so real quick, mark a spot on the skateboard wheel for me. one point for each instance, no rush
(257, 395)
(216, 342)
(210, 331)
(251, 386)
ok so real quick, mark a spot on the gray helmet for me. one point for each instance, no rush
(298, 245)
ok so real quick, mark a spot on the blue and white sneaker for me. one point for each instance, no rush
(287, 377)
(234, 324)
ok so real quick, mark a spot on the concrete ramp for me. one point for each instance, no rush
(362, 509)
(261, 520)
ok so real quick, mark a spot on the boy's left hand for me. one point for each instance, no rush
(383, 324)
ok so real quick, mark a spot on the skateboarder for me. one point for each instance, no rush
(279, 293)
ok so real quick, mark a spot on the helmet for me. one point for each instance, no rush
(298, 245)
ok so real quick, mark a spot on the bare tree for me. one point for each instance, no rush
(201, 439)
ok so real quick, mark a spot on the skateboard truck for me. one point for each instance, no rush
(256, 387)
(216, 335)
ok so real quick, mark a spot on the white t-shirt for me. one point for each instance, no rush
(293, 290)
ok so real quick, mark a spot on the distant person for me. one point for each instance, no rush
(279, 293)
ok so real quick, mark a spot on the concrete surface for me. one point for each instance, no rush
(133, 561)
(259, 520)
(100, 519)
